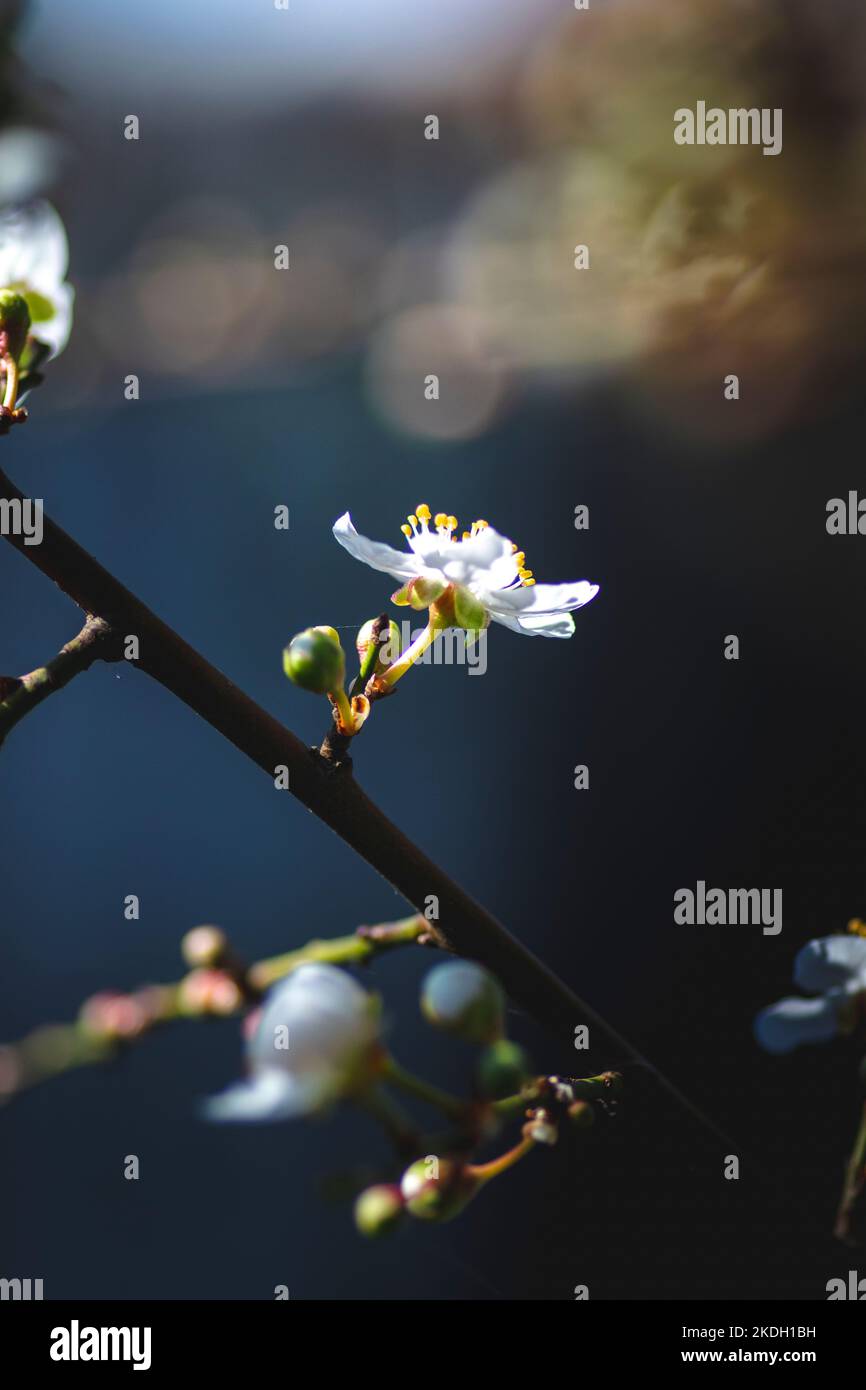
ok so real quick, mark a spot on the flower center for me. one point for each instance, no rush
(417, 525)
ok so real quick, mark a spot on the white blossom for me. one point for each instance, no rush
(33, 260)
(481, 563)
(314, 1042)
(833, 968)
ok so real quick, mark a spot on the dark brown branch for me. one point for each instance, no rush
(18, 696)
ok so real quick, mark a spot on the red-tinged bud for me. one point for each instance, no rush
(113, 1017)
(208, 992)
(204, 946)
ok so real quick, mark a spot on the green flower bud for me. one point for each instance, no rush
(314, 660)
(390, 646)
(460, 997)
(502, 1070)
(437, 1189)
(14, 322)
(378, 1209)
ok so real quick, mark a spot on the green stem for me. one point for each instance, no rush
(396, 1124)
(340, 950)
(10, 366)
(855, 1181)
(483, 1172)
(412, 654)
(422, 1090)
(347, 719)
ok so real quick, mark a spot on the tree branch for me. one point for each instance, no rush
(95, 642)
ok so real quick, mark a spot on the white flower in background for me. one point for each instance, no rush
(833, 970)
(28, 161)
(33, 259)
(485, 573)
(316, 1040)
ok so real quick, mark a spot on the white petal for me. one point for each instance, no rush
(466, 562)
(267, 1096)
(33, 248)
(54, 332)
(540, 625)
(324, 1015)
(398, 563)
(542, 598)
(829, 961)
(794, 1022)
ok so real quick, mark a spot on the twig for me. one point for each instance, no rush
(95, 642)
(110, 1021)
(853, 1187)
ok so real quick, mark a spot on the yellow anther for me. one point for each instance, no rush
(423, 512)
(528, 583)
(452, 523)
(856, 927)
(412, 519)
(466, 536)
(440, 519)
(406, 529)
(481, 525)
(520, 559)
(525, 574)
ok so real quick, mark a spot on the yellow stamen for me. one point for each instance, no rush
(527, 583)
(440, 519)
(406, 529)
(452, 523)
(423, 512)
(856, 927)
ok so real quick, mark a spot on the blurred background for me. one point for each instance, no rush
(261, 127)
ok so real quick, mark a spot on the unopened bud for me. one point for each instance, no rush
(460, 997)
(314, 660)
(113, 1017)
(378, 1209)
(390, 645)
(204, 946)
(437, 1194)
(502, 1069)
(208, 992)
